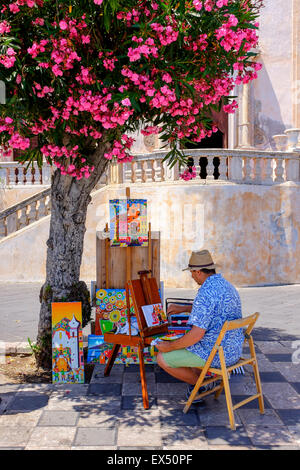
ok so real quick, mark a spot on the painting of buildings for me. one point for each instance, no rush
(67, 343)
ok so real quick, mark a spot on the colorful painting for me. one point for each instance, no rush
(111, 306)
(99, 352)
(154, 314)
(128, 222)
(67, 343)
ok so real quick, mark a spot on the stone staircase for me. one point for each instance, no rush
(24, 213)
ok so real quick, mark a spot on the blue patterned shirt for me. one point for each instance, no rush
(216, 302)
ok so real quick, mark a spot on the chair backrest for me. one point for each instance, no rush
(248, 322)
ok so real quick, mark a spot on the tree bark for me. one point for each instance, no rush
(69, 203)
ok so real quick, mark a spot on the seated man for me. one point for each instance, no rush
(216, 302)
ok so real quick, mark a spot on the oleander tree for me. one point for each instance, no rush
(82, 75)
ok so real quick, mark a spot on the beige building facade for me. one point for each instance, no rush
(247, 215)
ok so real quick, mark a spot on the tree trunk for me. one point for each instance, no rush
(69, 202)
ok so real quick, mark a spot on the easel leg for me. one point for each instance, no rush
(143, 377)
(112, 359)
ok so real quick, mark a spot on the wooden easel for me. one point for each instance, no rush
(143, 291)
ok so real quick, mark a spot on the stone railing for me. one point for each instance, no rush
(24, 213)
(212, 165)
(14, 174)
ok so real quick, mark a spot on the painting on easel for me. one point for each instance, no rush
(67, 343)
(128, 222)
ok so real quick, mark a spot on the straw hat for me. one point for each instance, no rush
(201, 260)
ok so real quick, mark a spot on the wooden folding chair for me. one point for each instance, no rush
(224, 372)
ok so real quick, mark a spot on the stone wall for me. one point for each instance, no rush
(253, 232)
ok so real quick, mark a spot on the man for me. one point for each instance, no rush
(216, 302)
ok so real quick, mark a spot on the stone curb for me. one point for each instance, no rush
(7, 348)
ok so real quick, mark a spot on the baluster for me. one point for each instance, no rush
(235, 168)
(210, 167)
(159, 173)
(258, 170)
(11, 223)
(247, 170)
(24, 175)
(279, 170)
(33, 175)
(40, 171)
(127, 172)
(144, 172)
(169, 173)
(23, 219)
(16, 175)
(292, 169)
(267, 170)
(7, 176)
(3, 227)
(41, 212)
(223, 167)
(32, 212)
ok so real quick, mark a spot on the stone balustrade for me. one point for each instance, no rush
(24, 213)
(216, 165)
(14, 173)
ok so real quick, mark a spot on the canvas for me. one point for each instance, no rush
(111, 306)
(99, 352)
(67, 343)
(128, 222)
(154, 314)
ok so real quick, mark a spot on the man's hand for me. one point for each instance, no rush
(164, 346)
(176, 309)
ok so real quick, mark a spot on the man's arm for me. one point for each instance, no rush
(175, 308)
(190, 338)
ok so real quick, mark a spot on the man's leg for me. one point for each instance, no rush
(185, 374)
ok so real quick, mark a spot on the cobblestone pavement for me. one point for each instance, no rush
(108, 413)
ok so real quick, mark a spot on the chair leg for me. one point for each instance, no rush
(257, 376)
(227, 389)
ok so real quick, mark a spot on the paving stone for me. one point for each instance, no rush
(95, 436)
(163, 377)
(23, 402)
(253, 417)
(112, 389)
(139, 436)
(272, 377)
(58, 418)
(134, 377)
(269, 435)
(136, 402)
(17, 418)
(14, 436)
(295, 433)
(289, 417)
(296, 386)
(189, 437)
(51, 437)
(289, 370)
(279, 357)
(139, 417)
(131, 389)
(221, 435)
(271, 347)
(176, 417)
(281, 395)
(96, 402)
(171, 389)
(97, 418)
